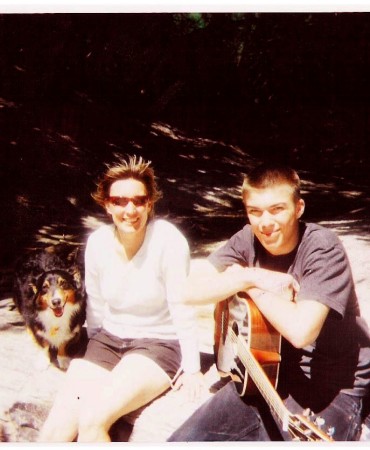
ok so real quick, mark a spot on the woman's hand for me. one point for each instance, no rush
(192, 383)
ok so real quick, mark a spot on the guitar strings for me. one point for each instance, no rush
(256, 373)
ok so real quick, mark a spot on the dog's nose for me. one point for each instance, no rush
(56, 302)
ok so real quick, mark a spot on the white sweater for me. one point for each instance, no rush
(141, 298)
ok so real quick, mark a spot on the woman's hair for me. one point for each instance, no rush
(131, 167)
(270, 175)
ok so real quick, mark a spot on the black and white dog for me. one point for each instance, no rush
(49, 293)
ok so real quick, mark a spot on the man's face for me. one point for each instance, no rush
(273, 214)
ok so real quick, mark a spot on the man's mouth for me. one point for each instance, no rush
(269, 234)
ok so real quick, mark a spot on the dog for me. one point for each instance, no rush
(50, 295)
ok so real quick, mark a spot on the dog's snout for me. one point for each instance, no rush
(56, 301)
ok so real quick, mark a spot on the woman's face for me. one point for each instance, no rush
(129, 205)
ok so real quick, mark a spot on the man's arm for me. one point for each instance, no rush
(206, 284)
(299, 322)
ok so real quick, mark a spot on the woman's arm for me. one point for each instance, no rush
(175, 268)
(95, 303)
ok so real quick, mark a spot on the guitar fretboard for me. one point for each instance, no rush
(260, 379)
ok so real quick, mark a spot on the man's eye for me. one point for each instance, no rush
(277, 210)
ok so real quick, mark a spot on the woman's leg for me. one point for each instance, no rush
(134, 382)
(83, 379)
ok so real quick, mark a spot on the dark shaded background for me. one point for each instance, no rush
(203, 96)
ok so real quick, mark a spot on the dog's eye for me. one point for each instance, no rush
(45, 288)
(64, 284)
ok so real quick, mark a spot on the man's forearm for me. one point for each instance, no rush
(212, 288)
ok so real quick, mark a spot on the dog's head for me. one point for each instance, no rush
(55, 288)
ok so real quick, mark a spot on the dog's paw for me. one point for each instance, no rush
(63, 362)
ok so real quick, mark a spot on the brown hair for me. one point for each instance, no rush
(131, 167)
(269, 175)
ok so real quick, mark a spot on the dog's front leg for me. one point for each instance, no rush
(62, 358)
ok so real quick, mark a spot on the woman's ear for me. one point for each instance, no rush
(300, 208)
(108, 208)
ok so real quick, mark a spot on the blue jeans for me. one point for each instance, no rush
(226, 417)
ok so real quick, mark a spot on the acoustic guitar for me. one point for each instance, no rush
(248, 348)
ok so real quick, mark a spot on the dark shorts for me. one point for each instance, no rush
(107, 350)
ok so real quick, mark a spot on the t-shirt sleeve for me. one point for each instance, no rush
(235, 251)
(327, 275)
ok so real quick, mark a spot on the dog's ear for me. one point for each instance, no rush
(72, 256)
(33, 287)
(50, 250)
(77, 278)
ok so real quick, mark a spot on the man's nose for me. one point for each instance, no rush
(266, 219)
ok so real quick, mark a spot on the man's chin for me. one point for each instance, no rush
(272, 247)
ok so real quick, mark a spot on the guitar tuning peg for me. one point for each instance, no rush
(330, 432)
(307, 412)
(319, 421)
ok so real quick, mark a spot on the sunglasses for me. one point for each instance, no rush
(138, 200)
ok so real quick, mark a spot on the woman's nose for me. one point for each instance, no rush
(130, 207)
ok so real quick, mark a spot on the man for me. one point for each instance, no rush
(300, 279)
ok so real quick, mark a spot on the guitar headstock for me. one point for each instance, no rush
(302, 428)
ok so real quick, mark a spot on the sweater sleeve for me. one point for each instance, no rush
(95, 303)
(176, 263)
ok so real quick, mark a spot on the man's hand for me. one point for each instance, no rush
(282, 284)
(278, 283)
(192, 383)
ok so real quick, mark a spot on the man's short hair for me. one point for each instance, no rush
(270, 175)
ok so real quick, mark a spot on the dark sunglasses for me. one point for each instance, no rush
(138, 200)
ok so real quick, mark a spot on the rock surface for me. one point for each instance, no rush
(28, 382)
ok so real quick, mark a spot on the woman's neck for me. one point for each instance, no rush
(131, 242)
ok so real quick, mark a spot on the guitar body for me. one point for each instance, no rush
(247, 348)
(242, 316)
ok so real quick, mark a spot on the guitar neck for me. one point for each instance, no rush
(261, 380)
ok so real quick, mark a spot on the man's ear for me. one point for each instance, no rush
(300, 208)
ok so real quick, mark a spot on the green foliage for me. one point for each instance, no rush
(187, 23)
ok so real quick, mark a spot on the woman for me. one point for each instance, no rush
(141, 336)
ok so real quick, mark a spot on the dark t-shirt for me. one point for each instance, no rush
(340, 357)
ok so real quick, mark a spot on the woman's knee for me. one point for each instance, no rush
(78, 368)
(57, 429)
(92, 423)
